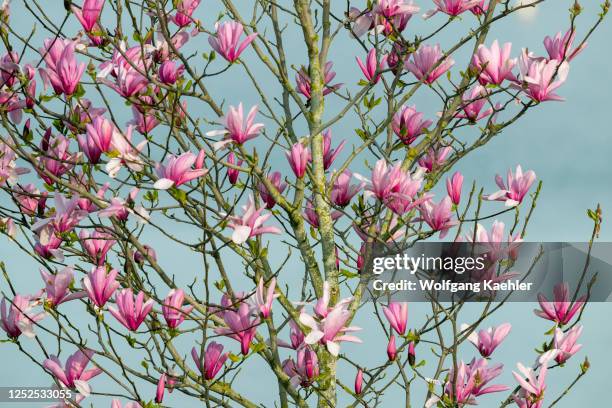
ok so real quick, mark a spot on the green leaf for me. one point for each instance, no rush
(220, 285)
(313, 232)
(584, 367)
(256, 348)
(131, 341)
(348, 274)
(180, 195)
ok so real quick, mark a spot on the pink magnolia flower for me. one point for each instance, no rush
(48, 244)
(561, 310)
(52, 50)
(452, 7)
(391, 348)
(469, 382)
(177, 170)
(100, 284)
(85, 203)
(67, 215)
(343, 191)
(211, 362)
(396, 23)
(162, 50)
(397, 57)
(96, 245)
(560, 47)
(145, 121)
(140, 258)
(411, 354)
(30, 95)
(161, 388)
(438, 216)
(408, 124)
(329, 154)
(236, 129)
(494, 244)
(434, 158)
(517, 187)
(541, 77)
(121, 208)
(250, 223)
(359, 382)
(264, 301)
(311, 217)
(296, 335)
(494, 64)
(460, 389)
(565, 343)
(364, 226)
(30, 200)
(7, 225)
(330, 330)
(482, 374)
(403, 197)
(304, 370)
(486, 341)
(299, 156)
(230, 302)
(9, 172)
(169, 73)
(9, 69)
(474, 101)
(321, 307)
(129, 81)
(14, 105)
(98, 138)
(233, 174)
(173, 309)
(226, 40)
(394, 8)
(424, 60)
(58, 159)
(361, 256)
(304, 82)
(124, 67)
(131, 311)
(533, 386)
(74, 375)
(57, 286)
(117, 404)
(276, 179)
(88, 15)
(62, 70)
(385, 180)
(128, 154)
(397, 315)
(67, 403)
(453, 187)
(18, 317)
(372, 67)
(184, 10)
(241, 326)
(363, 21)
(480, 8)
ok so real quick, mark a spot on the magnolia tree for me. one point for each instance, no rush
(282, 215)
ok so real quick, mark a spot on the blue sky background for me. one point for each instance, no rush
(566, 144)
